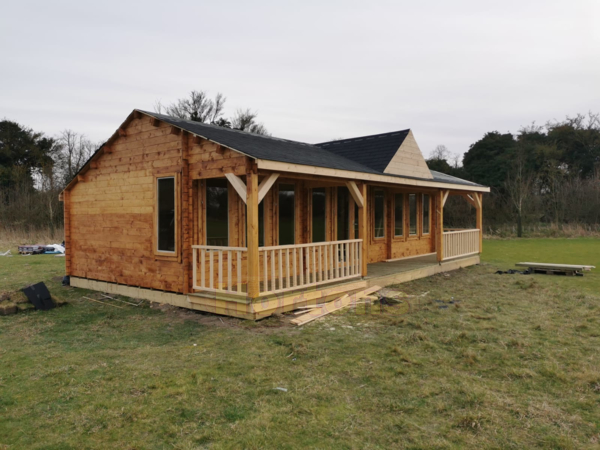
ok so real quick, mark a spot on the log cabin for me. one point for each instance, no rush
(224, 221)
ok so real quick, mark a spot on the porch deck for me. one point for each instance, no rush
(407, 269)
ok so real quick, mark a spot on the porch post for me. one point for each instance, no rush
(439, 207)
(252, 264)
(362, 228)
(479, 201)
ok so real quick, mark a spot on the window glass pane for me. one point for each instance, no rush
(261, 224)
(398, 215)
(166, 214)
(286, 214)
(217, 214)
(343, 214)
(412, 211)
(318, 215)
(379, 227)
(425, 214)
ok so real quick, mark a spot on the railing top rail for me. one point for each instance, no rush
(220, 247)
(461, 231)
(312, 244)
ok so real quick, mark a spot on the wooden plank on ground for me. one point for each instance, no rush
(335, 305)
(555, 266)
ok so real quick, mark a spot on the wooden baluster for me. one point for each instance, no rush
(314, 265)
(320, 276)
(195, 268)
(229, 276)
(220, 269)
(295, 269)
(239, 271)
(211, 255)
(307, 257)
(301, 266)
(203, 268)
(280, 270)
(287, 267)
(265, 281)
(273, 276)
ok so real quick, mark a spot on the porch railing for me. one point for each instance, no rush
(281, 268)
(288, 267)
(221, 269)
(460, 243)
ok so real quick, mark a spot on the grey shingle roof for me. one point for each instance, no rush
(444, 178)
(367, 154)
(266, 147)
(374, 151)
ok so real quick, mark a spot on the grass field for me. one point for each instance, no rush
(514, 364)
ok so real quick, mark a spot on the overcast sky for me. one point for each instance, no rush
(313, 70)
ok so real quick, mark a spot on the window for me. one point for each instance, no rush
(287, 214)
(343, 213)
(318, 215)
(217, 213)
(379, 206)
(399, 215)
(261, 224)
(166, 215)
(426, 219)
(412, 214)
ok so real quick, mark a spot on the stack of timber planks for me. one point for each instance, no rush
(561, 269)
(342, 302)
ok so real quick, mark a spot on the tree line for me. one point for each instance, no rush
(547, 174)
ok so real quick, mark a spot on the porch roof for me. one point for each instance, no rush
(368, 154)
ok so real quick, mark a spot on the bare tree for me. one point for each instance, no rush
(519, 187)
(441, 152)
(200, 108)
(245, 120)
(74, 151)
(197, 107)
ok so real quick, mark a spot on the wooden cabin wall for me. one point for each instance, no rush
(391, 246)
(110, 211)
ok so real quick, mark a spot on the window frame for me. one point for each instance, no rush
(383, 236)
(205, 210)
(423, 214)
(399, 237)
(417, 233)
(311, 211)
(277, 198)
(163, 254)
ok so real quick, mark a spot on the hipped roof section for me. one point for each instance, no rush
(355, 157)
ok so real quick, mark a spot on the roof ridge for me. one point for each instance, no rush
(217, 127)
(370, 136)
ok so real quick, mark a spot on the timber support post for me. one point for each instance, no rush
(252, 263)
(362, 228)
(439, 235)
(479, 208)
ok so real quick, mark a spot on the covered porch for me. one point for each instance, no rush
(389, 231)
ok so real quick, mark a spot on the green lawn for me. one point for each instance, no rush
(514, 364)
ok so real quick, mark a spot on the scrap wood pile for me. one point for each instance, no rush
(383, 296)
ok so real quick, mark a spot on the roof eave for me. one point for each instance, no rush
(364, 176)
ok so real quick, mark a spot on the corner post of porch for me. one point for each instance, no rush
(362, 228)
(252, 263)
(479, 202)
(439, 208)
